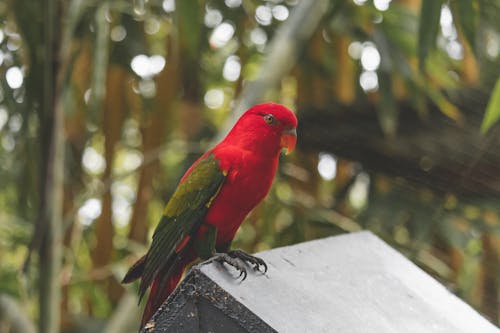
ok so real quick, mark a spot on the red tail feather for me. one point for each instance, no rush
(157, 297)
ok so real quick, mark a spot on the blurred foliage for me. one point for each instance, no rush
(145, 86)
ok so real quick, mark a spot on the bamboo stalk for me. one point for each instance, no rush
(56, 62)
(52, 190)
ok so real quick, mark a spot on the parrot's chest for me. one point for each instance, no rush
(250, 183)
(245, 186)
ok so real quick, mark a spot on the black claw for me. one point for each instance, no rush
(231, 258)
(222, 258)
(249, 259)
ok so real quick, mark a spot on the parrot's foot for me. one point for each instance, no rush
(222, 258)
(250, 259)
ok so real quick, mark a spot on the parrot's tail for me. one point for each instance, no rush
(135, 271)
(160, 290)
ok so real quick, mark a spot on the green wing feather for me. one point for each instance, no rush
(182, 216)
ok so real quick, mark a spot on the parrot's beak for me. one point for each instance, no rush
(288, 140)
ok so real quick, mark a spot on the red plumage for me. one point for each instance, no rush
(248, 157)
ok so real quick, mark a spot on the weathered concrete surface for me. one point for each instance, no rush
(350, 283)
(198, 304)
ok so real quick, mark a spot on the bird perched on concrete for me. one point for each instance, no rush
(213, 197)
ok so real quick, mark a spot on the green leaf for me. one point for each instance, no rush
(492, 114)
(430, 13)
(466, 16)
(439, 99)
(444, 105)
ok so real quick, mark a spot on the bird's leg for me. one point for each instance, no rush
(242, 255)
(222, 258)
(206, 249)
(250, 259)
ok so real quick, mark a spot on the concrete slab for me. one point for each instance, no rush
(351, 283)
(348, 283)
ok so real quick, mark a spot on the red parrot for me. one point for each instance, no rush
(213, 197)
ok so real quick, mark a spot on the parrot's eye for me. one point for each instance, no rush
(269, 119)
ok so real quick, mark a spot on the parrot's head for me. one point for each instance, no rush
(268, 127)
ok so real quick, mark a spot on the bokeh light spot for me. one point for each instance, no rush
(327, 166)
(280, 12)
(232, 68)
(89, 211)
(232, 3)
(382, 5)
(147, 67)
(258, 36)
(118, 33)
(213, 18)
(168, 5)
(221, 35)
(370, 58)
(214, 98)
(14, 77)
(263, 15)
(368, 81)
(93, 162)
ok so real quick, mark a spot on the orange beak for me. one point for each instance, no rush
(288, 140)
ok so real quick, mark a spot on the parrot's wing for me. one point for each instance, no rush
(182, 216)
